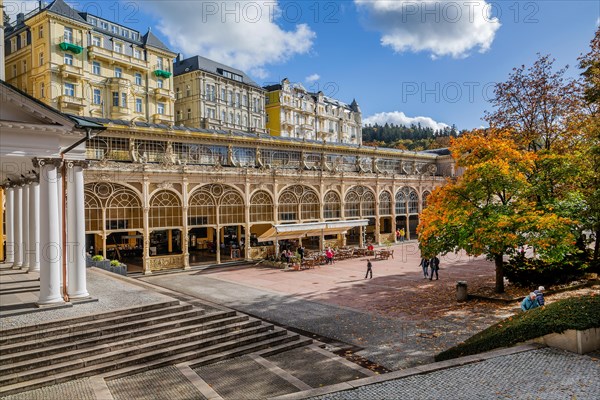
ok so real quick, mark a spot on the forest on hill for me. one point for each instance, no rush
(413, 137)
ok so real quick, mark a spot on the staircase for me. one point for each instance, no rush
(128, 341)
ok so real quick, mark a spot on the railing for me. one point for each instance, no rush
(66, 100)
(67, 70)
(124, 59)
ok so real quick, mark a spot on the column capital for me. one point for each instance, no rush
(77, 163)
(40, 162)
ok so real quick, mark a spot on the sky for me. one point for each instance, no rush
(430, 62)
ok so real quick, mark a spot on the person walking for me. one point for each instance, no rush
(398, 235)
(434, 264)
(425, 265)
(329, 256)
(369, 269)
(402, 234)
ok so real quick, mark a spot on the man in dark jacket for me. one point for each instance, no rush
(369, 270)
(434, 264)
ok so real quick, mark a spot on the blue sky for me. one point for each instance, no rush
(407, 59)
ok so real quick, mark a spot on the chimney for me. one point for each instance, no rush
(20, 18)
(179, 58)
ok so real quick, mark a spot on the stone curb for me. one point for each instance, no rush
(589, 283)
(422, 369)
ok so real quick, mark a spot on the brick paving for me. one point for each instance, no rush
(79, 389)
(166, 383)
(323, 369)
(244, 378)
(539, 374)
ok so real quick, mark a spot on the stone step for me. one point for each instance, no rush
(39, 339)
(301, 342)
(7, 333)
(142, 352)
(175, 334)
(142, 362)
(214, 319)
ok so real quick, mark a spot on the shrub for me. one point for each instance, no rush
(578, 313)
(98, 258)
(533, 272)
(115, 263)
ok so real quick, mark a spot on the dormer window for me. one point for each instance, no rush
(117, 47)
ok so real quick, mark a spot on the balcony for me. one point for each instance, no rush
(119, 82)
(163, 94)
(117, 112)
(71, 103)
(67, 70)
(67, 44)
(162, 119)
(117, 58)
(162, 72)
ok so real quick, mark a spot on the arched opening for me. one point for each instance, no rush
(165, 220)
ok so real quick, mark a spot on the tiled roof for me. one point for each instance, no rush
(204, 64)
(150, 39)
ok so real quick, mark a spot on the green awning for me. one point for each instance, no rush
(162, 73)
(73, 48)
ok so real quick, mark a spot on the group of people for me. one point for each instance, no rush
(534, 300)
(428, 264)
(400, 234)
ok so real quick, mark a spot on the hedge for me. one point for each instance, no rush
(578, 313)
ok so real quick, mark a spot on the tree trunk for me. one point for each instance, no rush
(499, 273)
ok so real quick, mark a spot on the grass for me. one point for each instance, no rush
(574, 313)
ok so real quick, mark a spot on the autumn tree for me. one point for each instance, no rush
(488, 210)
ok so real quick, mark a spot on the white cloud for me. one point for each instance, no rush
(312, 78)
(244, 35)
(441, 27)
(399, 118)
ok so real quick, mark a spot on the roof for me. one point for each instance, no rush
(150, 39)
(59, 7)
(240, 134)
(440, 152)
(204, 64)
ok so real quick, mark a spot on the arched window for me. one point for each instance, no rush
(298, 203)
(165, 210)
(202, 210)
(425, 196)
(413, 202)
(124, 210)
(261, 207)
(93, 212)
(359, 202)
(385, 203)
(400, 202)
(309, 204)
(231, 208)
(332, 205)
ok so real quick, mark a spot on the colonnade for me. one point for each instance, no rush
(34, 237)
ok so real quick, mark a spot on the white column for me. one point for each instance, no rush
(10, 226)
(18, 227)
(76, 282)
(34, 227)
(50, 251)
(25, 223)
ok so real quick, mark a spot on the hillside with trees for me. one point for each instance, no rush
(414, 137)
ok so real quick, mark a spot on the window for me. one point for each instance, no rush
(135, 36)
(95, 68)
(138, 105)
(222, 116)
(237, 99)
(93, 21)
(124, 33)
(96, 41)
(231, 118)
(118, 47)
(124, 100)
(14, 70)
(245, 100)
(118, 72)
(188, 91)
(41, 58)
(68, 36)
(69, 89)
(159, 83)
(136, 54)
(138, 79)
(178, 116)
(177, 93)
(160, 107)
(24, 66)
(230, 98)
(41, 32)
(159, 63)
(23, 39)
(13, 45)
(97, 99)
(114, 29)
(189, 113)
(115, 99)
(42, 90)
(223, 94)
(69, 59)
(238, 119)
(104, 25)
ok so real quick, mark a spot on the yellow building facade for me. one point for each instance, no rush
(294, 112)
(85, 65)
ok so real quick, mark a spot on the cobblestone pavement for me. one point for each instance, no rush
(539, 374)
